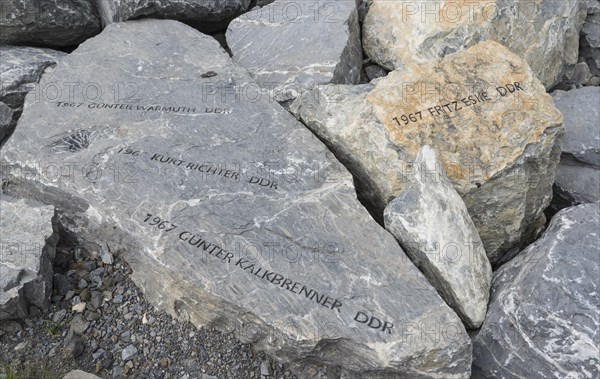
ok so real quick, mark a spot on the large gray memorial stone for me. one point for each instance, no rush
(229, 211)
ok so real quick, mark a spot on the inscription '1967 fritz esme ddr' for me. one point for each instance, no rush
(457, 105)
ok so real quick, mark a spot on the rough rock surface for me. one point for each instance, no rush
(500, 152)
(578, 174)
(590, 38)
(580, 112)
(20, 70)
(545, 33)
(6, 115)
(27, 247)
(78, 374)
(229, 212)
(543, 316)
(206, 15)
(289, 46)
(48, 23)
(432, 223)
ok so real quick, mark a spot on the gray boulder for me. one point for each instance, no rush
(290, 46)
(27, 247)
(6, 115)
(589, 48)
(578, 174)
(432, 223)
(488, 118)
(206, 15)
(544, 32)
(543, 318)
(20, 70)
(48, 23)
(230, 213)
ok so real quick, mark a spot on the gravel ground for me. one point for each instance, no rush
(100, 323)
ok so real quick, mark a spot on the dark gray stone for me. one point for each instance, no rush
(375, 71)
(273, 197)
(20, 70)
(543, 317)
(206, 15)
(48, 23)
(27, 247)
(578, 174)
(589, 46)
(581, 113)
(6, 115)
(290, 46)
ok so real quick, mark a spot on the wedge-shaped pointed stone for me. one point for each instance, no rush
(432, 223)
(232, 213)
(482, 110)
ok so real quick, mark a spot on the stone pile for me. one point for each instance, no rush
(356, 188)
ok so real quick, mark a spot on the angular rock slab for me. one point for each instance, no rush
(545, 33)
(581, 113)
(48, 23)
(290, 46)
(230, 212)
(543, 314)
(6, 115)
(432, 223)
(27, 248)
(20, 69)
(578, 174)
(500, 152)
(204, 14)
(590, 35)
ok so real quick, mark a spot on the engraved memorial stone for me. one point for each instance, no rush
(230, 212)
(482, 110)
(289, 46)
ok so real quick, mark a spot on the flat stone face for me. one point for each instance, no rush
(545, 33)
(27, 248)
(543, 314)
(580, 110)
(230, 213)
(201, 13)
(20, 69)
(481, 109)
(49, 22)
(290, 46)
(432, 223)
